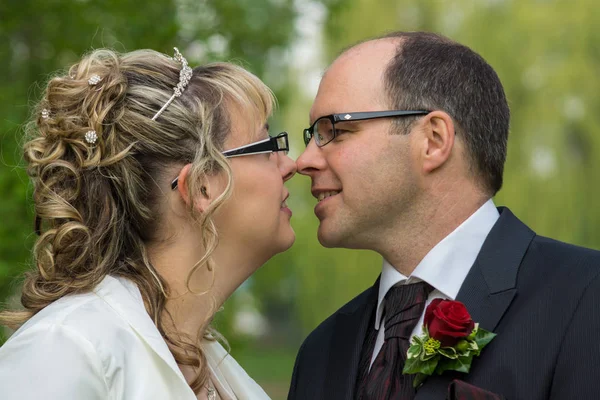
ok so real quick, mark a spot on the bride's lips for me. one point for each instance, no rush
(284, 206)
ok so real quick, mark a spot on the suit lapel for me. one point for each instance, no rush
(490, 286)
(349, 333)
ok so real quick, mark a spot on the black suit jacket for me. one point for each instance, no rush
(540, 296)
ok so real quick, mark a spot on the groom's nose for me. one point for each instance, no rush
(311, 160)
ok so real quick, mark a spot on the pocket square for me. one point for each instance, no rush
(459, 390)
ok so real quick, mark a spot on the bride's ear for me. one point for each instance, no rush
(207, 193)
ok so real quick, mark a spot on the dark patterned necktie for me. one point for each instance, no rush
(404, 305)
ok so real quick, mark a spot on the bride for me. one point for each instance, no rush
(158, 191)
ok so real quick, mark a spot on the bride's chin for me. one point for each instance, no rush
(289, 241)
(284, 241)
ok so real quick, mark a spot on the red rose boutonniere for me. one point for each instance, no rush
(449, 341)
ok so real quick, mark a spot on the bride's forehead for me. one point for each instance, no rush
(246, 129)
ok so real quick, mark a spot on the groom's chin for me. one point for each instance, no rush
(329, 238)
(338, 238)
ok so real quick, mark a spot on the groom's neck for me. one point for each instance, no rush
(406, 245)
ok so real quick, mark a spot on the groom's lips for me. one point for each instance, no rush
(331, 192)
(321, 203)
(317, 191)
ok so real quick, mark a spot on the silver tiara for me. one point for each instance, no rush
(184, 78)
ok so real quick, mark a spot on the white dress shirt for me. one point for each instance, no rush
(445, 267)
(103, 345)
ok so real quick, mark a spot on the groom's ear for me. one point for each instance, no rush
(438, 140)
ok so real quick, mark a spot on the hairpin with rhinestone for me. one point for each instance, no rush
(185, 74)
(45, 113)
(94, 79)
(91, 137)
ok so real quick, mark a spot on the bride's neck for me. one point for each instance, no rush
(194, 299)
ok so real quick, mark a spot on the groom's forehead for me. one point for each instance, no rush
(347, 87)
(359, 68)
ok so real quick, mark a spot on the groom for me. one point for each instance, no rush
(416, 186)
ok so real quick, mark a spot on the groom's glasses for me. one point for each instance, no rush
(324, 128)
(270, 145)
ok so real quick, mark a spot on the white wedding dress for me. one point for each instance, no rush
(103, 345)
(229, 378)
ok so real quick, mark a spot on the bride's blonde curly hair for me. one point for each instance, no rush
(98, 205)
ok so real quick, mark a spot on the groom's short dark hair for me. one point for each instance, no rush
(432, 72)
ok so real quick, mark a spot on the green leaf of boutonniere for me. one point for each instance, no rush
(419, 379)
(448, 352)
(427, 356)
(473, 332)
(428, 366)
(414, 351)
(416, 365)
(417, 340)
(460, 364)
(473, 347)
(483, 337)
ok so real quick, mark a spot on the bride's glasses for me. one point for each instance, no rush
(270, 145)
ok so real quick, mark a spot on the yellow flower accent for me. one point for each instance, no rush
(431, 345)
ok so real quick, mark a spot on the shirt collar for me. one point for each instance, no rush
(447, 264)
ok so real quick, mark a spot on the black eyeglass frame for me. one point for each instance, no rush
(269, 145)
(308, 133)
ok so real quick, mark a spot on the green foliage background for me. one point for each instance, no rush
(547, 54)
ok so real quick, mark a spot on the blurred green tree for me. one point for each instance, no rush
(39, 37)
